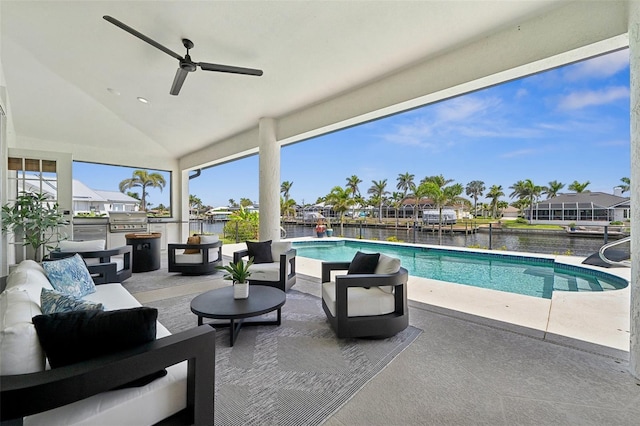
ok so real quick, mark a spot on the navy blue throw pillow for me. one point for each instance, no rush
(363, 263)
(260, 252)
(72, 337)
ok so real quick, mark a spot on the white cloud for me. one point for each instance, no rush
(577, 100)
(518, 153)
(600, 67)
(616, 142)
(521, 93)
(463, 108)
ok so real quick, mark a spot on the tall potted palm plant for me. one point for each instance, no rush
(33, 221)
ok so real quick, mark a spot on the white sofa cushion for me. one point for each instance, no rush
(75, 246)
(265, 271)
(20, 351)
(31, 280)
(360, 301)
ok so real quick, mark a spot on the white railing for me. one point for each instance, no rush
(626, 263)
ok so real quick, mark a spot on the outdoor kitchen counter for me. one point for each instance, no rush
(146, 251)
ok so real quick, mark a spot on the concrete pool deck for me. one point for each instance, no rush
(597, 322)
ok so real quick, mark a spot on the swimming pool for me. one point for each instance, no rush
(530, 276)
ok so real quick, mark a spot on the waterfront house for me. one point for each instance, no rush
(586, 208)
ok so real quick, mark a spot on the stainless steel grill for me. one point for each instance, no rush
(120, 222)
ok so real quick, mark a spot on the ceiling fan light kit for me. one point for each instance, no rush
(186, 65)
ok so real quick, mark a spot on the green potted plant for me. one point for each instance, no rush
(572, 226)
(239, 274)
(33, 221)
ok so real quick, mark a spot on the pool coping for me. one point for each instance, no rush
(596, 322)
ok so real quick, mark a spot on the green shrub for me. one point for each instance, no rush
(522, 220)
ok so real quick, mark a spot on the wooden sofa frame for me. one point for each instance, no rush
(375, 326)
(286, 280)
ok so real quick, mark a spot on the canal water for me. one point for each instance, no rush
(522, 242)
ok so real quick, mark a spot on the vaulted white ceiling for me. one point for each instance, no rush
(60, 58)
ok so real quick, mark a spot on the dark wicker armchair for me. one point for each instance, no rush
(281, 273)
(197, 259)
(365, 305)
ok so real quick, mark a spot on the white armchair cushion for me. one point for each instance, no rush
(361, 302)
(387, 265)
(189, 258)
(278, 248)
(89, 245)
(209, 239)
(265, 271)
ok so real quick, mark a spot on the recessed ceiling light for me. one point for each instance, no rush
(143, 100)
(113, 91)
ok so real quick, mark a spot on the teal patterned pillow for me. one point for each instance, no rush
(52, 301)
(70, 276)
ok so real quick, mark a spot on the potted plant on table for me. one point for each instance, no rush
(33, 221)
(238, 273)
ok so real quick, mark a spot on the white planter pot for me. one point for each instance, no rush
(241, 290)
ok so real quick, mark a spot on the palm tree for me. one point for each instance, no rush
(528, 191)
(143, 179)
(442, 196)
(438, 180)
(419, 192)
(553, 189)
(195, 203)
(232, 202)
(579, 187)
(396, 202)
(484, 208)
(287, 207)
(626, 184)
(474, 189)
(245, 202)
(352, 183)
(341, 200)
(495, 192)
(378, 191)
(285, 187)
(405, 183)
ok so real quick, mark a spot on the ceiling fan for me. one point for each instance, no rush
(186, 64)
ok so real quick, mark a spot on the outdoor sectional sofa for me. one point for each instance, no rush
(82, 392)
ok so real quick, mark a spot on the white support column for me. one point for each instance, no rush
(269, 181)
(634, 63)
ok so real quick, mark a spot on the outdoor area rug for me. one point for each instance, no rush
(296, 374)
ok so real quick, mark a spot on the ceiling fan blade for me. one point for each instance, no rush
(177, 81)
(229, 68)
(142, 37)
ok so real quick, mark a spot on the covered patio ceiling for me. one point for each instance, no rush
(324, 63)
(62, 64)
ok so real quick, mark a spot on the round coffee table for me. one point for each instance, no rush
(220, 304)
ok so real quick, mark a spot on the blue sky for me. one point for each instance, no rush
(567, 124)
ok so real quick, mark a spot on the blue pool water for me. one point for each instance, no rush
(515, 274)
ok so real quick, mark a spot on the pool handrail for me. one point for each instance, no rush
(626, 263)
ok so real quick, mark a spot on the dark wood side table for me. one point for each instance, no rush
(220, 304)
